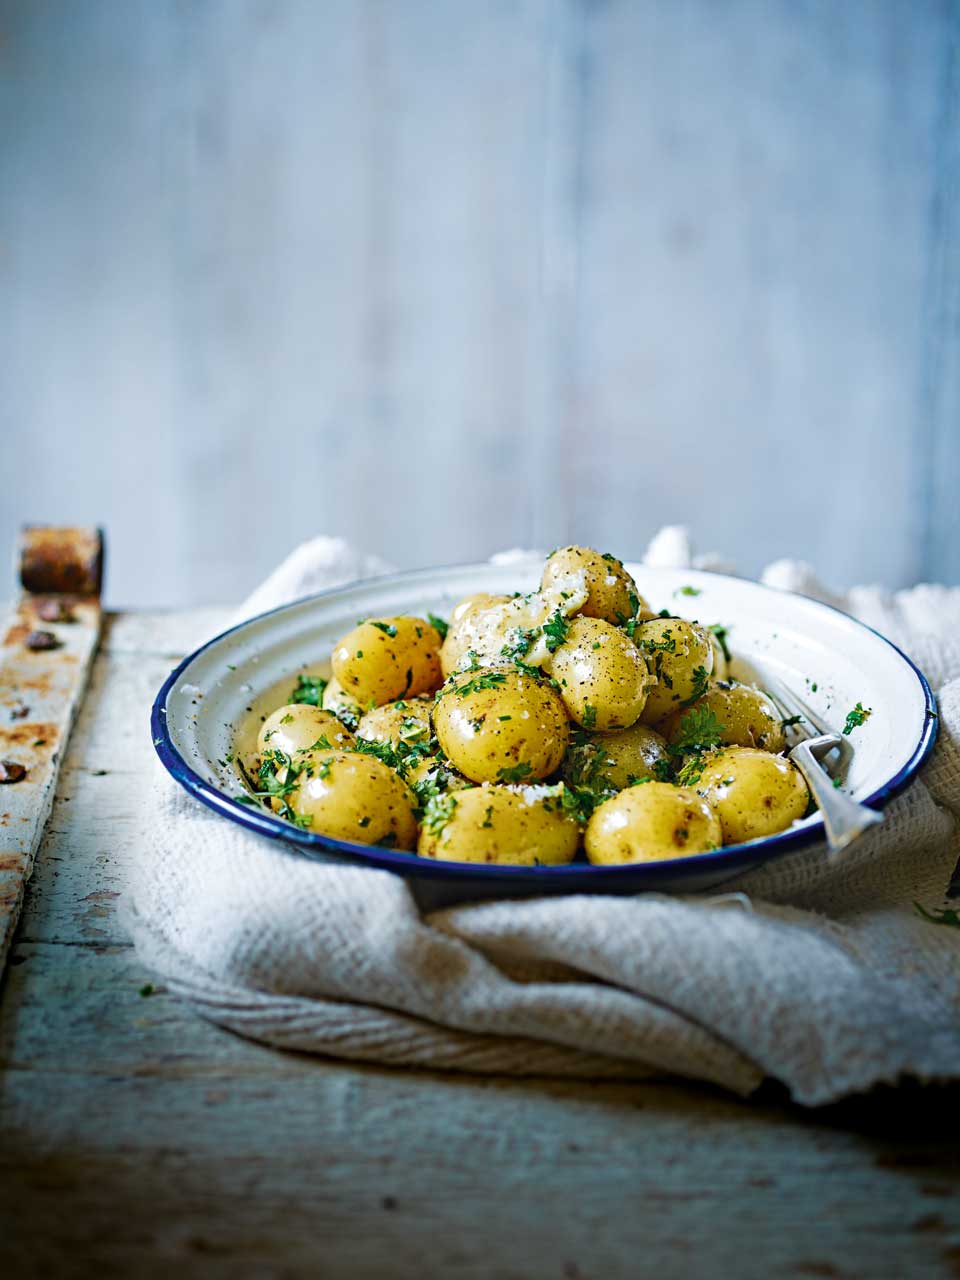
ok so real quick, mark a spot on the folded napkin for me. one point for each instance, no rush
(829, 978)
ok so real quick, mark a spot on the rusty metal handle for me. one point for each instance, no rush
(54, 561)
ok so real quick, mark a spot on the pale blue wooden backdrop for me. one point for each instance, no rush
(453, 276)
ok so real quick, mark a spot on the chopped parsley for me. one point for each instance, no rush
(700, 682)
(857, 717)
(287, 719)
(721, 632)
(439, 625)
(791, 721)
(662, 771)
(577, 802)
(947, 916)
(691, 770)
(700, 730)
(667, 645)
(486, 680)
(555, 630)
(387, 628)
(589, 716)
(438, 812)
(687, 591)
(413, 730)
(514, 773)
(517, 648)
(269, 785)
(309, 689)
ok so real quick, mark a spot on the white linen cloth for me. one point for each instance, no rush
(827, 978)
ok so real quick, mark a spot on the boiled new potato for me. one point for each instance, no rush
(462, 633)
(747, 717)
(302, 727)
(682, 659)
(350, 796)
(401, 724)
(521, 826)
(501, 725)
(613, 593)
(343, 705)
(383, 659)
(612, 761)
(753, 793)
(524, 628)
(603, 677)
(651, 822)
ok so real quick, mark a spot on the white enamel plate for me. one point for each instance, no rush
(210, 707)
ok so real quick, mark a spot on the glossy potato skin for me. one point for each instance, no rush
(676, 649)
(356, 797)
(650, 823)
(603, 676)
(753, 793)
(377, 666)
(502, 826)
(343, 705)
(497, 719)
(461, 633)
(748, 717)
(613, 761)
(298, 726)
(613, 594)
(404, 722)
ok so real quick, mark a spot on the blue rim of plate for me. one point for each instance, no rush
(728, 859)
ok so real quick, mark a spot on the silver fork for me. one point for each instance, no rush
(821, 757)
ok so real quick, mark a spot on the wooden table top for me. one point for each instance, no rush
(137, 1139)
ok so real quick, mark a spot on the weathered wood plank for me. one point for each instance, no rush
(40, 693)
(187, 1135)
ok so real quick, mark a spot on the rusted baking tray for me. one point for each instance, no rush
(45, 658)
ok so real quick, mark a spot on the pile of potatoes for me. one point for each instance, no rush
(571, 717)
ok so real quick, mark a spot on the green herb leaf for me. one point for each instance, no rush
(486, 680)
(439, 625)
(687, 591)
(387, 628)
(721, 634)
(309, 689)
(857, 717)
(947, 916)
(514, 773)
(700, 682)
(438, 812)
(699, 731)
(555, 630)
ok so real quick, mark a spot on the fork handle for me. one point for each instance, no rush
(843, 817)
